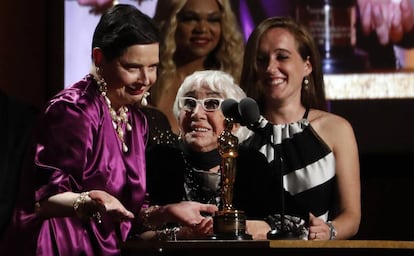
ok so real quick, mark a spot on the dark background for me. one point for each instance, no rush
(31, 49)
(31, 70)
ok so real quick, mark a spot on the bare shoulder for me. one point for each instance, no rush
(331, 127)
(319, 118)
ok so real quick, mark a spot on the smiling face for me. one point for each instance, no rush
(130, 75)
(281, 69)
(199, 28)
(200, 128)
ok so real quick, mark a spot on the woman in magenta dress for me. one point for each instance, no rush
(83, 186)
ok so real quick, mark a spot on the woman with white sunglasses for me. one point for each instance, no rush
(190, 170)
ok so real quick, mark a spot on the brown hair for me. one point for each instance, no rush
(314, 95)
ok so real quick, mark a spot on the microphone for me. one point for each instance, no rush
(249, 112)
(230, 108)
(246, 112)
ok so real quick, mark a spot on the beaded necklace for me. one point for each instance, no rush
(118, 120)
(200, 184)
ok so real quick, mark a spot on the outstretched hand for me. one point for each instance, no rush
(108, 204)
(189, 213)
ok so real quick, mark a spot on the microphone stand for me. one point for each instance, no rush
(283, 233)
(248, 111)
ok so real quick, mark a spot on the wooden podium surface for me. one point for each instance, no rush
(269, 247)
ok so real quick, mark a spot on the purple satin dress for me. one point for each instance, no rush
(77, 149)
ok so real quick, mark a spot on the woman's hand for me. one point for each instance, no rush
(257, 228)
(197, 231)
(318, 229)
(187, 213)
(108, 204)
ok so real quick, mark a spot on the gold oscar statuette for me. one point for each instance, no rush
(229, 223)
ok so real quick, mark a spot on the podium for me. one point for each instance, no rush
(269, 247)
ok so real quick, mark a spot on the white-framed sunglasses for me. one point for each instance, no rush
(208, 104)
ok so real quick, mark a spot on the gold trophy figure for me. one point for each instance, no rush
(229, 223)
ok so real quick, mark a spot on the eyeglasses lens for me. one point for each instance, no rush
(208, 104)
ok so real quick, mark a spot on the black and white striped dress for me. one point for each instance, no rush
(308, 166)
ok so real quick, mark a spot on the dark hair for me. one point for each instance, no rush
(314, 95)
(122, 26)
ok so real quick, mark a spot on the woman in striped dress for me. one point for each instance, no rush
(316, 151)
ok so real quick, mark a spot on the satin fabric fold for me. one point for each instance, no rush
(77, 149)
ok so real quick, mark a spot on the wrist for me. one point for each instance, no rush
(84, 207)
(168, 234)
(151, 217)
(332, 231)
(79, 205)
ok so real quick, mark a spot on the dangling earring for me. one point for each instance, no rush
(144, 101)
(306, 82)
(103, 86)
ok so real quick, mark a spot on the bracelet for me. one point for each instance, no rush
(168, 234)
(81, 201)
(147, 215)
(332, 230)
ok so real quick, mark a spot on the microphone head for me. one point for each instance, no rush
(249, 111)
(229, 107)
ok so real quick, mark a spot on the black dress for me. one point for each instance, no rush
(176, 173)
(159, 128)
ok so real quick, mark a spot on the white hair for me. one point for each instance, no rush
(217, 81)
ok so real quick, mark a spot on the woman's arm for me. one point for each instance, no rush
(339, 135)
(84, 205)
(189, 215)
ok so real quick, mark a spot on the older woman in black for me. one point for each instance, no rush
(190, 170)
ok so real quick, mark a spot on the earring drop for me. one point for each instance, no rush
(306, 82)
(144, 101)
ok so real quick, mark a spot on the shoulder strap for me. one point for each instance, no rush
(305, 116)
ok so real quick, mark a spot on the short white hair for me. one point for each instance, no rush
(217, 81)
